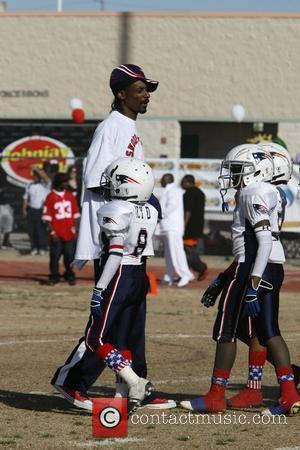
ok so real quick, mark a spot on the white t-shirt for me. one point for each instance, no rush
(114, 138)
(257, 202)
(134, 223)
(35, 194)
(171, 203)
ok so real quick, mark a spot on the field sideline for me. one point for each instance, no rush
(40, 324)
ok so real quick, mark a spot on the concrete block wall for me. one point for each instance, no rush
(205, 63)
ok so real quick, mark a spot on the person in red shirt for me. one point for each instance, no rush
(61, 214)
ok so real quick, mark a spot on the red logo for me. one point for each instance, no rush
(131, 146)
(110, 417)
(19, 156)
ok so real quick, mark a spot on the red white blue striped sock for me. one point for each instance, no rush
(256, 364)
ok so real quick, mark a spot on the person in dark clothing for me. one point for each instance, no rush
(194, 203)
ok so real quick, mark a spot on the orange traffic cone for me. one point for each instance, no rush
(153, 284)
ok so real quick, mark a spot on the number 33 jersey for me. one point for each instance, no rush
(61, 210)
(134, 223)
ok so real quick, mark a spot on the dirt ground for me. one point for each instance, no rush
(40, 325)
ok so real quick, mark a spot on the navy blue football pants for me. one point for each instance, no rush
(231, 323)
(265, 325)
(83, 366)
(123, 311)
(230, 304)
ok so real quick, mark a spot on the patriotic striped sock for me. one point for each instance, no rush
(115, 361)
(121, 386)
(219, 381)
(256, 364)
(285, 379)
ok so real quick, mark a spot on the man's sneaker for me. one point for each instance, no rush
(246, 398)
(167, 280)
(75, 397)
(158, 403)
(184, 281)
(34, 251)
(138, 393)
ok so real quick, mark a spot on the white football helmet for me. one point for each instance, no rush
(283, 166)
(128, 179)
(244, 164)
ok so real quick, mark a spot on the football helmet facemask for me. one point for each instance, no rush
(127, 179)
(244, 164)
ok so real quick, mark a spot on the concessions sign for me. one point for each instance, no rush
(18, 157)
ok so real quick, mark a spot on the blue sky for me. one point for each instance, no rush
(158, 5)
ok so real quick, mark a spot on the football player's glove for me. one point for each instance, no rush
(252, 296)
(96, 300)
(214, 289)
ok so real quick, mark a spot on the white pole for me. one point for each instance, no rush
(59, 5)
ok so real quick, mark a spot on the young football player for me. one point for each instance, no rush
(251, 395)
(248, 169)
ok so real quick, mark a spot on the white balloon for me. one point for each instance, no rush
(238, 112)
(76, 103)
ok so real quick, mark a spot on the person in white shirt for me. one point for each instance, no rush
(115, 137)
(33, 202)
(171, 228)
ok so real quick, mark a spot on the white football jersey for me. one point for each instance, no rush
(257, 202)
(277, 252)
(135, 223)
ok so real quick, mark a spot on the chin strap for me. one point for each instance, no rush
(225, 206)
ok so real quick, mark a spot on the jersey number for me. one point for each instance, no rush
(141, 242)
(64, 210)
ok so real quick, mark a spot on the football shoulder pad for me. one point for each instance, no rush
(114, 217)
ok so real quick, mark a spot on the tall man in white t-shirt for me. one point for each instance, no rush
(115, 137)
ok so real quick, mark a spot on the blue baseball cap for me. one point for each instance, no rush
(126, 74)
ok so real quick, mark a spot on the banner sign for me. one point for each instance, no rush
(18, 157)
(206, 173)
